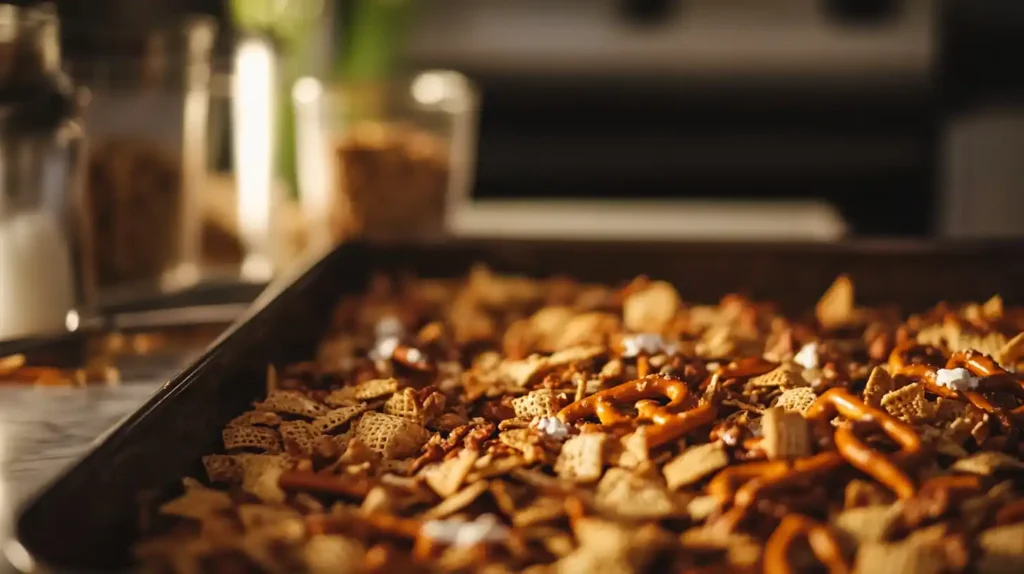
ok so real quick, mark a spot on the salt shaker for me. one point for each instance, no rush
(45, 284)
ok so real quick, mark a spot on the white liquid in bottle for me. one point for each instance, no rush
(36, 278)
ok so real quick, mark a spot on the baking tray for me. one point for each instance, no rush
(88, 518)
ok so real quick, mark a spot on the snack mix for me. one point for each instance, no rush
(502, 424)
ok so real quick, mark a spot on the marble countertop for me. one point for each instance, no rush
(45, 430)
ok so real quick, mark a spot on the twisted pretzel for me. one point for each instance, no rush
(668, 422)
(979, 365)
(855, 451)
(822, 540)
(743, 483)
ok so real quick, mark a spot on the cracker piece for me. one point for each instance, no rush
(522, 372)
(785, 376)
(934, 336)
(300, 433)
(497, 467)
(519, 439)
(796, 400)
(786, 435)
(330, 554)
(516, 423)
(587, 329)
(582, 458)
(539, 403)
(255, 418)
(624, 494)
(293, 403)
(260, 516)
(908, 404)
(651, 309)
(404, 404)
(344, 397)
(578, 354)
(908, 557)
(375, 389)
(223, 468)
(836, 306)
(1002, 548)
(991, 344)
(391, 437)
(867, 524)
(457, 501)
(447, 477)
(879, 384)
(336, 419)
(987, 463)
(539, 480)
(701, 507)
(543, 509)
(1011, 352)
(508, 496)
(694, 464)
(256, 438)
(634, 452)
(198, 502)
(260, 475)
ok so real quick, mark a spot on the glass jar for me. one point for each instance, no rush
(382, 161)
(45, 280)
(146, 120)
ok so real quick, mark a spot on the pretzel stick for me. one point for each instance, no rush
(1011, 513)
(820, 537)
(323, 484)
(802, 470)
(412, 358)
(855, 451)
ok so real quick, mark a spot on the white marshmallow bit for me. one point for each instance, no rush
(957, 379)
(807, 356)
(647, 344)
(484, 529)
(551, 426)
(385, 349)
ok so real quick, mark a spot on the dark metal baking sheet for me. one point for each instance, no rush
(88, 518)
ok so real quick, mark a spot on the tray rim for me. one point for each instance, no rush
(306, 270)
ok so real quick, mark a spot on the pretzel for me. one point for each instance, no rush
(745, 367)
(413, 358)
(733, 484)
(996, 377)
(1012, 513)
(305, 481)
(821, 538)
(668, 422)
(864, 458)
(979, 364)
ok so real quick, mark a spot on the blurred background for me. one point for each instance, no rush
(203, 142)
(898, 114)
